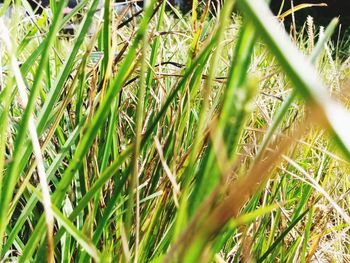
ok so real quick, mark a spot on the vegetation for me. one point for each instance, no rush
(172, 138)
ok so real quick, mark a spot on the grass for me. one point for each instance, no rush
(172, 138)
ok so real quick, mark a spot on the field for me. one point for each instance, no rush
(204, 137)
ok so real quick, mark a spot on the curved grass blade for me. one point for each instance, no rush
(298, 8)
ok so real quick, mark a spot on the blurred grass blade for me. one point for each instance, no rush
(316, 52)
(300, 71)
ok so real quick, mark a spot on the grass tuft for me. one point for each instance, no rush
(157, 136)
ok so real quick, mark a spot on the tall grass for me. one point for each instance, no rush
(171, 138)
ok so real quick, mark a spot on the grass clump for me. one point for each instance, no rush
(170, 138)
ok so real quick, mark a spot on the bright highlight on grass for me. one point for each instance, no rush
(169, 137)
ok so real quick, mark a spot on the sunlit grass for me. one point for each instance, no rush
(173, 138)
